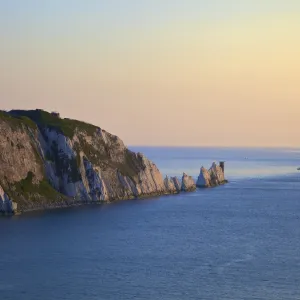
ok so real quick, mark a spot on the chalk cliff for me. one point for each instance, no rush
(49, 162)
(6, 205)
(212, 177)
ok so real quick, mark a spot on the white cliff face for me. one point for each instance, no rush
(73, 162)
(6, 205)
(94, 184)
(129, 187)
(62, 170)
(212, 177)
(150, 180)
(188, 183)
(80, 167)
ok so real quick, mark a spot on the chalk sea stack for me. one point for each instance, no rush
(212, 177)
(176, 183)
(188, 183)
(170, 185)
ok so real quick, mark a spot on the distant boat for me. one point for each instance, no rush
(298, 169)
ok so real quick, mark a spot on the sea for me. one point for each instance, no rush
(240, 241)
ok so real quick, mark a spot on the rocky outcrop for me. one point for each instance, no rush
(212, 177)
(176, 183)
(47, 161)
(7, 206)
(204, 179)
(188, 183)
(18, 153)
(149, 180)
(170, 186)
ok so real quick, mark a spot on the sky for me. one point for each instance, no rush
(158, 72)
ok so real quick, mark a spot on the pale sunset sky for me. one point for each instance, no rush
(158, 72)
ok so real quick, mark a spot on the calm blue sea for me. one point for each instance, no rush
(239, 241)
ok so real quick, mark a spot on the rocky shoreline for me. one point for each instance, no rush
(49, 162)
(206, 179)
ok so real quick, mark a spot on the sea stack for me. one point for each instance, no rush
(170, 186)
(212, 177)
(177, 183)
(188, 183)
(204, 179)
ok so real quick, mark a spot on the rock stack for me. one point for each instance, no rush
(177, 184)
(170, 186)
(188, 183)
(212, 177)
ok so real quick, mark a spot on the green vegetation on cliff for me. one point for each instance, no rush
(49, 160)
(45, 119)
(16, 121)
(29, 194)
(26, 187)
(67, 127)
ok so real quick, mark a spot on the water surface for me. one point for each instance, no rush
(239, 241)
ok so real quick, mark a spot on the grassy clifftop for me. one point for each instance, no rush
(45, 119)
(16, 121)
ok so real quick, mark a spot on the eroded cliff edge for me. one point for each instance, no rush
(49, 162)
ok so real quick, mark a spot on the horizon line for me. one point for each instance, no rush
(214, 146)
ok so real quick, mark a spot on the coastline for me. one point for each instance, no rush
(49, 162)
(71, 203)
(291, 177)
